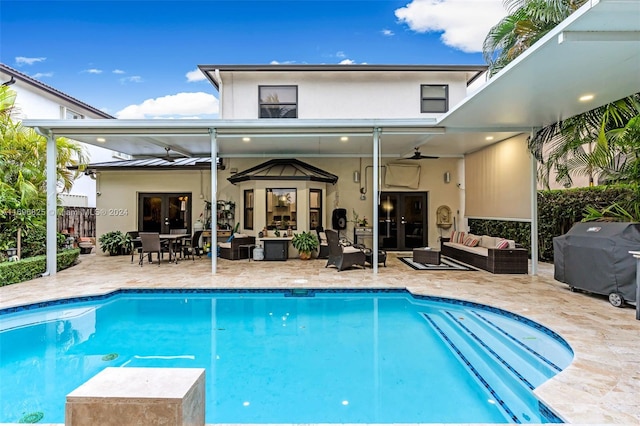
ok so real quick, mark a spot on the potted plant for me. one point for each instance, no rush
(305, 243)
(114, 242)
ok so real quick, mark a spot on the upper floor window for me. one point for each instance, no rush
(70, 114)
(434, 98)
(278, 101)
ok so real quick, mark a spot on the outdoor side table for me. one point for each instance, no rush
(249, 248)
(421, 255)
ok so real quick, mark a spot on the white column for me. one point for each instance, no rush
(52, 178)
(376, 197)
(214, 199)
(534, 215)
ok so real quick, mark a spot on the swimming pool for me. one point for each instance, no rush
(297, 356)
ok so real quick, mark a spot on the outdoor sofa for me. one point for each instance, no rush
(231, 249)
(493, 254)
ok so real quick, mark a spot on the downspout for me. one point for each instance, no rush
(51, 174)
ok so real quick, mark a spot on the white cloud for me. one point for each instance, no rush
(117, 71)
(93, 71)
(347, 62)
(274, 62)
(387, 32)
(42, 74)
(341, 54)
(132, 79)
(195, 75)
(181, 104)
(464, 23)
(23, 60)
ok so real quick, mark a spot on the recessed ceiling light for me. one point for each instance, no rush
(585, 98)
(489, 138)
(101, 139)
(344, 139)
(245, 139)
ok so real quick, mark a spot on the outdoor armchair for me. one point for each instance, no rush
(343, 257)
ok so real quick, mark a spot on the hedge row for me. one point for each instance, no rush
(32, 267)
(558, 210)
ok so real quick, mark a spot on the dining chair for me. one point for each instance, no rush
(150, 244)
(192, 247)
(135, 246)
(178, 244)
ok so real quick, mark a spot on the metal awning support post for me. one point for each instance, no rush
(376, 197)
(52, 178)
(534, 214)
(636, 254)
(214, 199)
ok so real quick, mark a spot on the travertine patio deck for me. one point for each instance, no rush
(601, 386)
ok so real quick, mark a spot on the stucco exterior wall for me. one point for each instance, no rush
(341, 94)
(119, 192)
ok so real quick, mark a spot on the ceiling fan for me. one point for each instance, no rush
(165, 157)
(168, 157)
(418, 156)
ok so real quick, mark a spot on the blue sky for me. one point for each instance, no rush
(137, 59)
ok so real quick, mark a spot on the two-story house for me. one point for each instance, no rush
(344, 103)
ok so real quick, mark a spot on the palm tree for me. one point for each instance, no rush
(603, 142)
(23, 173)
(528, 21)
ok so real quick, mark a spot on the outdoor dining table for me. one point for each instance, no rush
(171, 239)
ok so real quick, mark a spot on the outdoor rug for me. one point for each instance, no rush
(446, 264)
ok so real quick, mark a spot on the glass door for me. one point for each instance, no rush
(161, 212)
(402, 219)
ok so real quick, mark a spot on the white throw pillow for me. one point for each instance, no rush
(488, 242)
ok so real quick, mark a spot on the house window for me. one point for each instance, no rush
(315, 208)
(281, 208)
(434, 98)
(248, 209)
(70, 114)
(278, 101)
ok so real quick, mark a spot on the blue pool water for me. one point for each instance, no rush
(289, 356)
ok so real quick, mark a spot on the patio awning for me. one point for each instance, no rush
(284, 169)
(192, 163)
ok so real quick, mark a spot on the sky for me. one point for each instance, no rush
(138, 59)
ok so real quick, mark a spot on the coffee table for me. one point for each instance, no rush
(382, 257)
(421, 255)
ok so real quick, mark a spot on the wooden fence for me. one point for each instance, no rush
(78, 221)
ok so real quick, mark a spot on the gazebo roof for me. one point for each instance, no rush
(284, 169)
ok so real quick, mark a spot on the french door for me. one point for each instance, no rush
(161, 212)
(402, 220)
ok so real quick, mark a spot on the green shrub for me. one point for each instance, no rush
(558, 210)
(32, 267)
